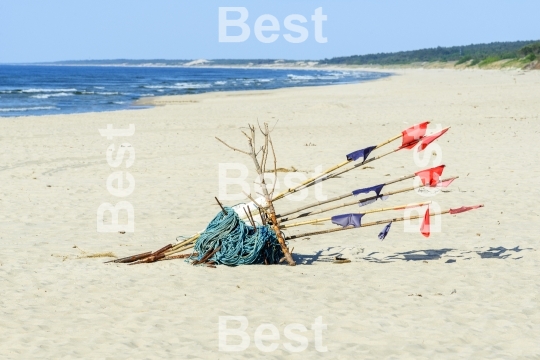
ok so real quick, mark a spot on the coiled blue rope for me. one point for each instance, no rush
(241, 244)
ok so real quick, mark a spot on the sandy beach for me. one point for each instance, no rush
(469, 291)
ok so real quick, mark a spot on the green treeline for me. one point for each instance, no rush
(481, 54)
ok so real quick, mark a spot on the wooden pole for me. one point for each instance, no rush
(221, 206)
(307, 184)
(131, 258)
(316, 221)
(374, 197)
(380, 222)
(339, 197)
(335, 167)
(183, 248)
(295, 189)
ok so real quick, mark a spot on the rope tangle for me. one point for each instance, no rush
(241, 244)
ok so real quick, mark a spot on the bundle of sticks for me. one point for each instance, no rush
(263, 208)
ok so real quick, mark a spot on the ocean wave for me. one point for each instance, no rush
(331, 76)
(107, 93)
(154, 86)
(300, 77)
(264, 80)
(46, 90)
(179, 86)
(28, 109)
(46, 96)
(192, 86)
(220, 82)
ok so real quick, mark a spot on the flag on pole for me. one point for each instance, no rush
(431, 176)
(425, 228)
(443, 184)
(367, 202)
(413, 134)
(384, 232)
(464, 208)
(363, 153)
(377, 189)
(425, 141)
(348, 220)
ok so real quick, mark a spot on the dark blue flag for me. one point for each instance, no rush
(348, 220)
(377, 189)
(385, 231)
(364, 153)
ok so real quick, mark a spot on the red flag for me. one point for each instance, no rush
(430, 176)
(464, 208)
(425, 141)
(413, 134)
(424, 229)
(445, 183)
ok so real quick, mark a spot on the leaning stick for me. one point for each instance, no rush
(335, 167)
(131, 258)
(355, 166)
(339, 197)
(368, 161)
(183, 256)
(207, 256)
(316, 221)
(374, 197)
(221, 206)
(184, 248)
(380, 222)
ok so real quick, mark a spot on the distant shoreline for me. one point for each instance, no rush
(506, 64)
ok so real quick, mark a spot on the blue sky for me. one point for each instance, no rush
(50, 30)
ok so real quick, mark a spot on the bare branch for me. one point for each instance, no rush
(275, 164)
(252, 128)
(265, 153)
(230, 147)
(274, 125)
(252, 199)
(246, 135)
(259, 125)
(270, 207)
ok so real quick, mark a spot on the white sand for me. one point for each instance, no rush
(54, 304)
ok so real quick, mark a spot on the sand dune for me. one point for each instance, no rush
(471, 290)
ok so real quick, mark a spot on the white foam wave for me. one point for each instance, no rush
(220, 82)
(46, 96)
(108, 93)
(191, 86)
(47, 90)
(300, 77)
(264, 80)
(154, 87)
(179, 86)
(329, 77)
(27, 109)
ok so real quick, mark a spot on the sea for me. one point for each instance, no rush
(44, 90)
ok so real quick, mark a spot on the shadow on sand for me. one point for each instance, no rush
(450, 255)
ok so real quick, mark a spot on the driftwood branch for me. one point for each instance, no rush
(230, 147)
(260, 168)
(275, 164)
